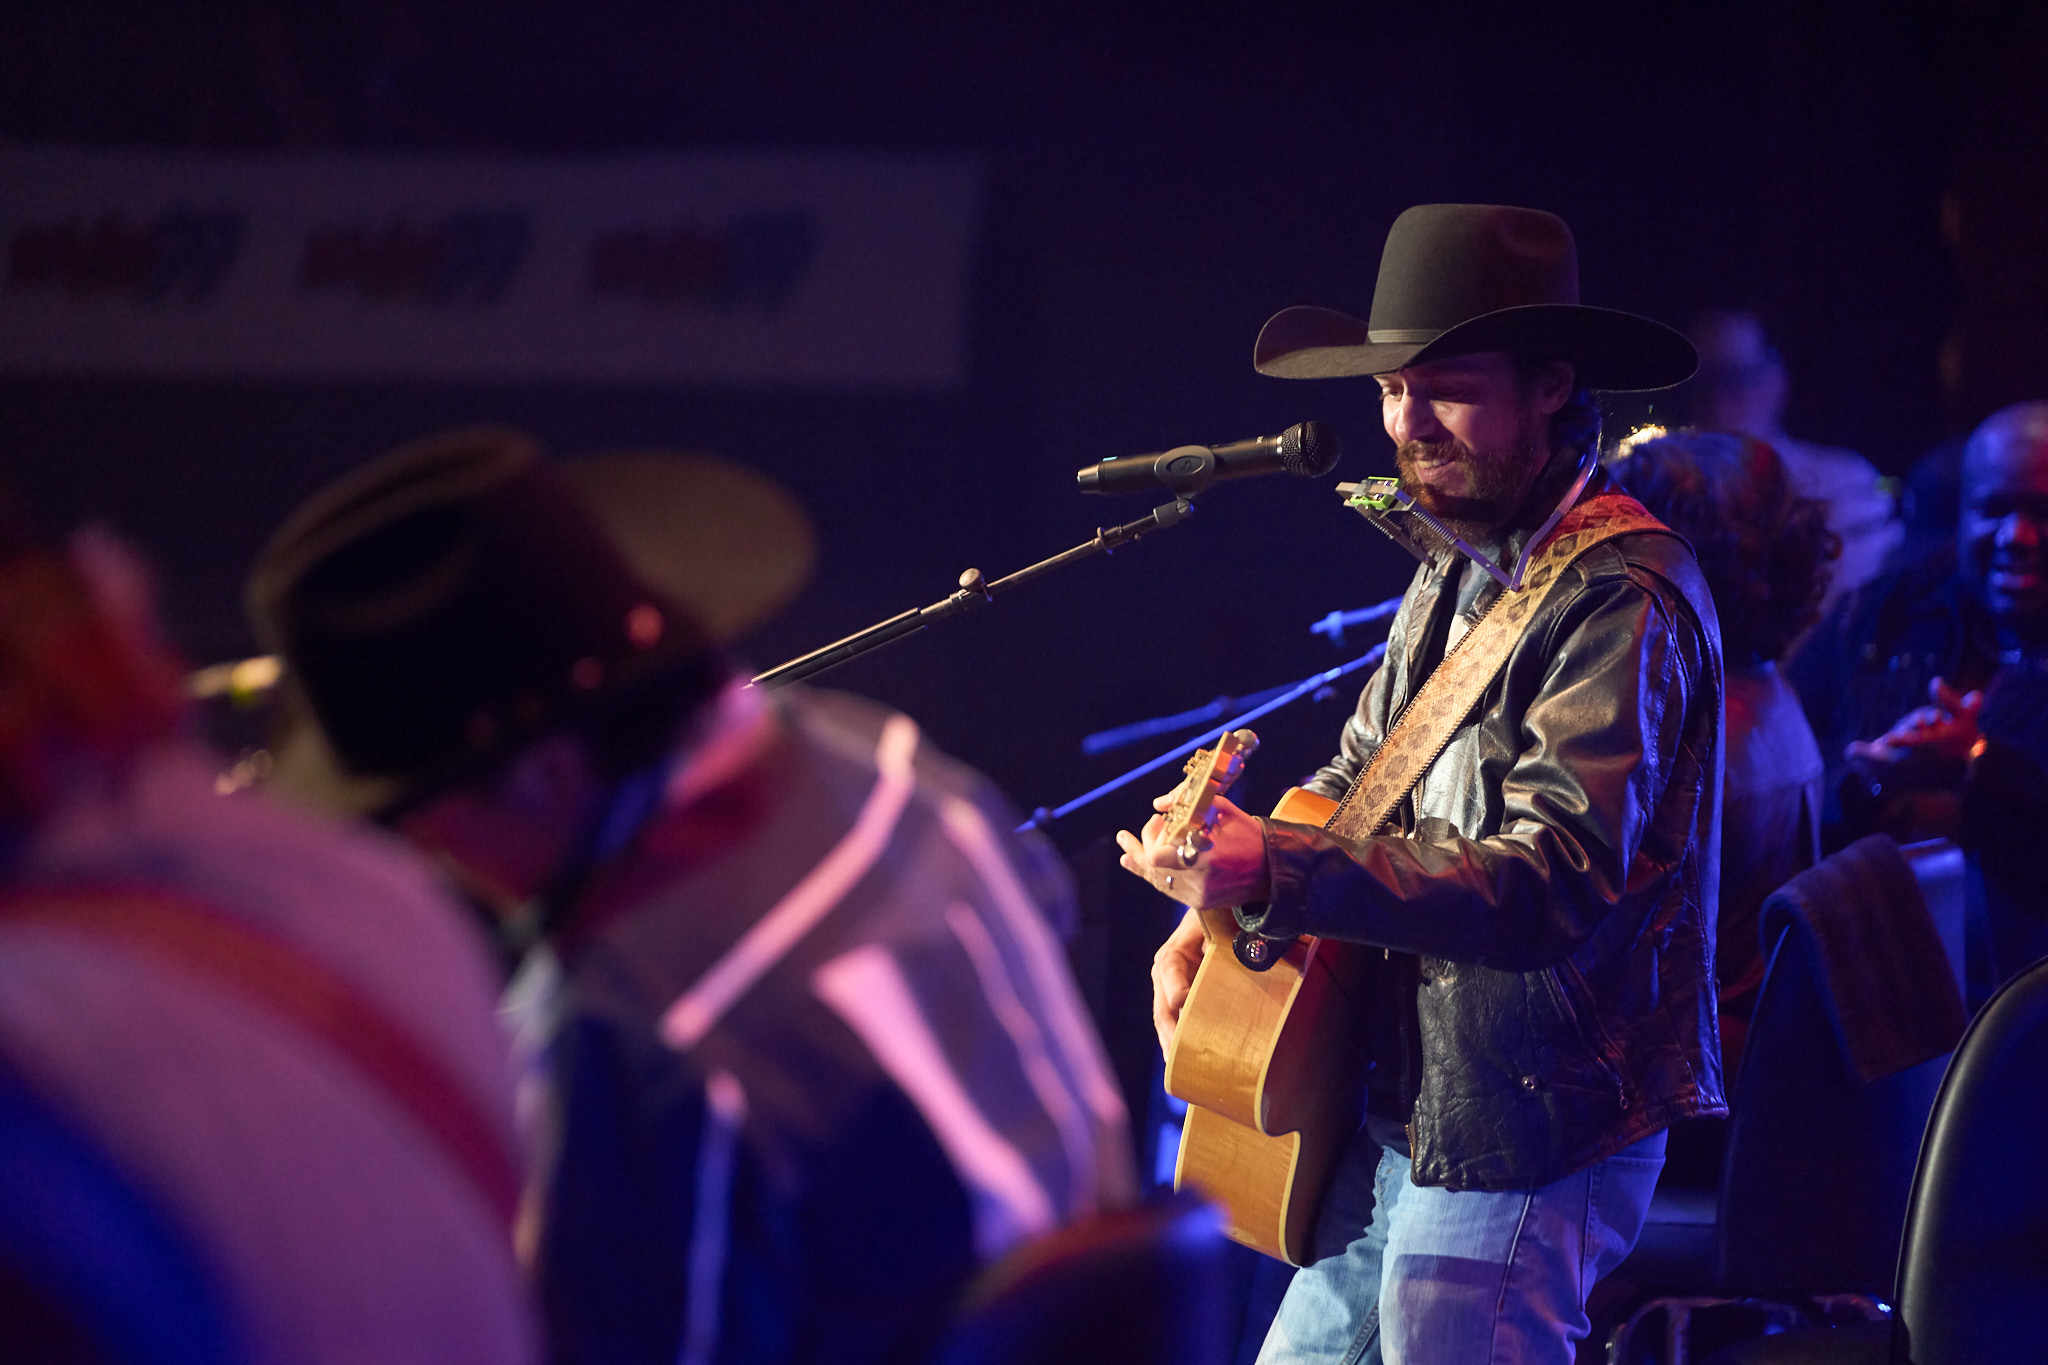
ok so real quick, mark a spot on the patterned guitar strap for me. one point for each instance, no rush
(1425, 726)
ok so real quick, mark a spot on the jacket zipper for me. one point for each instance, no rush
(1587, 1036)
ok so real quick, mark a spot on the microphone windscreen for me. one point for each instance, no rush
(1308, 448)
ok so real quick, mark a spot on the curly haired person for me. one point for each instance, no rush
(1765, 552)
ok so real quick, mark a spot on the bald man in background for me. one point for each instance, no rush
(1893, 679)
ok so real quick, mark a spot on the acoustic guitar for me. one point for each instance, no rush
(1270, 1058)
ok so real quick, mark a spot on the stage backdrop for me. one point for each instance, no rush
(787, 270)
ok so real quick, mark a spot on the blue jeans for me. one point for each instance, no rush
(1415, 1275)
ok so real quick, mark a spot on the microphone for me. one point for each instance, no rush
(1306, 448)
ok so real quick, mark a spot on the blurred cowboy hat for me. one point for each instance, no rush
(450, 602)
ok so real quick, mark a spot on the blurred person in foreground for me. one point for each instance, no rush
(254, 1105)
(805, 1049)
(1765, 552)
(1743, 386)
(1894, 678)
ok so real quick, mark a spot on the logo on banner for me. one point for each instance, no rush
(175, 257)
(465, 258)
(756, 261)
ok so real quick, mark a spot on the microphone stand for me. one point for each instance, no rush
(1042, 817)
(1332, 626)
(973, 592)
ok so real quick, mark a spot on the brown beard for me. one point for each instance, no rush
(1500, 479)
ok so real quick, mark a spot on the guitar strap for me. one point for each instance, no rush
(1425, 726)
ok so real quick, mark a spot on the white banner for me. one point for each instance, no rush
(812, 270)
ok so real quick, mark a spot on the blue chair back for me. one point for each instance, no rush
(1973, 1270)
(1818, 1166)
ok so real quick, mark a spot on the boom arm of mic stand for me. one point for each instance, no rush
(973, 593)
(1041, 818)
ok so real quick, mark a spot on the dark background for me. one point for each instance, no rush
(1162, 176)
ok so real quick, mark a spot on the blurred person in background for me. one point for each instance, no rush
(803, 1045)
(1893, 679)
(254, 1105)
(1765, 552)
(1930, 500)
(1743, 386)
(2004, 811)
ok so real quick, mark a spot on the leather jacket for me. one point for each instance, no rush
(1554, 874)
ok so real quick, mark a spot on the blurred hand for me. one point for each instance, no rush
(1944, 729)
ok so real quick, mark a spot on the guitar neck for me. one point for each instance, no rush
(1219, 925)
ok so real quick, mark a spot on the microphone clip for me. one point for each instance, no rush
(1185, 470)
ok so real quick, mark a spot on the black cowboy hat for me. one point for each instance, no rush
(1460, 278)
(456, 599)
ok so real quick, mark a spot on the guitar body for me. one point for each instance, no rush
(1272, 1066)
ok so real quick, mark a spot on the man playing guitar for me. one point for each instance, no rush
(1530, 788)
